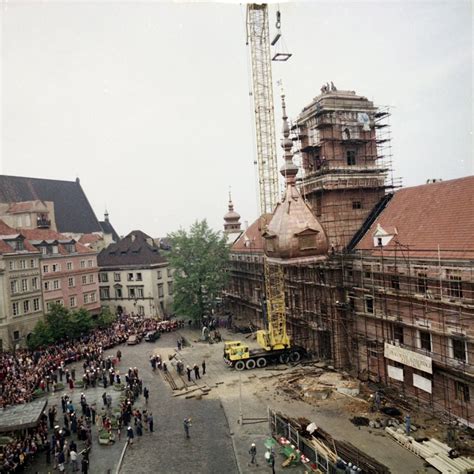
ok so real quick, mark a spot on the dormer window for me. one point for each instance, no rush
(307, 242)
(383, 236)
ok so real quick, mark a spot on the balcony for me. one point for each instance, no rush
(43, 223)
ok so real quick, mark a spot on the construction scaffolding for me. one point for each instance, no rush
(400, 302)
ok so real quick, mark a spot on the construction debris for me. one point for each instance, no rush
(314, 383)
(439, 455)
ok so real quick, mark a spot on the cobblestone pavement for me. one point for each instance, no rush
(219, 443)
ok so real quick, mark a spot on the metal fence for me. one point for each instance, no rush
(280, 427)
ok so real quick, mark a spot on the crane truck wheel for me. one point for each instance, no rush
(250, 364)
(239, 365)
(295, 356)
(284, 358)
(261, 362)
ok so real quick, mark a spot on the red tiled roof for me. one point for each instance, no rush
(48, 234)
(89, 238)
(426, 217)
(6, 229)
(251, 240)
(26, 206)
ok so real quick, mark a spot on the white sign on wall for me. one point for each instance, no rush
(395, 373)
(422, 383)
(407, 357)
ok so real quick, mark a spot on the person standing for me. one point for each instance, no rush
(196, 372)
(253, 453)
(85, 465)
(272, 461)
(73, 456)
(203, 367)
(146, 394)
(150, 422)
(130, 434)
(187, 425)
(188, 370)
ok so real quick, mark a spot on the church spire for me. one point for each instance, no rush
(289, 170)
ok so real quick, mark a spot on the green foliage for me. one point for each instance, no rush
(105, 318)
(199, 258)
(60, 324)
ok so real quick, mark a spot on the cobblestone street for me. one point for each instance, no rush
(218, 442)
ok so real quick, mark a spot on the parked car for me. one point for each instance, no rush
(152, 336)
(132, 340)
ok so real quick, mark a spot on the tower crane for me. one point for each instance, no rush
(274, 342)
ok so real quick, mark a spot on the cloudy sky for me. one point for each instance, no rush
(148, 103)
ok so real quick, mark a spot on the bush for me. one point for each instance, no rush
(59, 387)
(37, 393)
(119, 387)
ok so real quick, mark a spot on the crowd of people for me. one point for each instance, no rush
(24, 371)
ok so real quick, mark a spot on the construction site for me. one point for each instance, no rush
(377, 279)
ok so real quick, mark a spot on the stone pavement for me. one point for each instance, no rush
(218, 443)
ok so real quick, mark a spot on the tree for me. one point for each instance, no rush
(80, 323)
(41, 335)
(105, 318)
(59, 322)
(199, 259)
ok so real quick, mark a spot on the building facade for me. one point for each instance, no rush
(135, 277)
(70, 275)
(21, 303)
(393, 302)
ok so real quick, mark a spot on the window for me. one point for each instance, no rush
(318, 206)
(357, 205)
(24, 285)
(32, 263)
(116, 276)
(36, 304)
(26, 306)
(34, 283)
(12, 265)
(170, 287)
(91, 278)
(16, 309)
(44, 250)
(141, 310)
(56, 285)
(351, 157)
(84, 279)
(55, 267)
(139, 292)
(72, 301)
(425, 340)
(70, 282)
(104, 277)
(46, 285)
(118, 292)
(307, 241)
(459, 349)
(45, 268)
(170, 272)
(395, 281)
(86, 298)
(22, 264)
(104, 293)
(93, 297)
(131, 292)
(421, 283)
(461, 390)
(160, 290)
(55, 249)
(69, 265)
(130, 276)
(372, 349)
(90, 263)
(158, 274)
(83, 264)
(369, 304)
(19, 245)
(14, 287)
(139, 277)
(398, 333)
(16, 335)
(455, 284)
